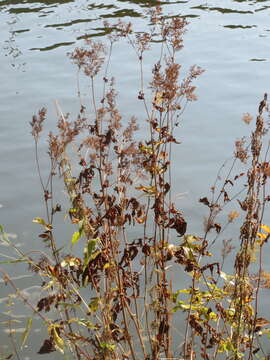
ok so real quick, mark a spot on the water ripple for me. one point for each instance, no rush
(54, 46)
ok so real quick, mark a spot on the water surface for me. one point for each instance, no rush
(229, 39)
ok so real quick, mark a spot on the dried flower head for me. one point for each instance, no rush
(89, 59)
(173, 32)
(233, 215)
(143, 42)
(166, 83)
(37, 123)
(117, 31)
(265, 168)
(265, 280)
(240, 152)
(247, 118)
(155, 14)
(226, 248)
(186, 88)
(124, 29)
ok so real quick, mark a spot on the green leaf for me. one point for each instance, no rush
(39, 220)
(212, 316)
(14, 261)
(184, 291)
(83, 322)
(88, 251)
(42, 222)
(175, 295)
(68, 305)
(75, 237)
(107, 346)
(93, 306)
(91, 246)
(26, 331)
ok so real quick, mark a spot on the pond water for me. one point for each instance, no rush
(229, 39)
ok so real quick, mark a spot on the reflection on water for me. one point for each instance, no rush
(28, 2)
(122, 13)
(79, 16)
(11, 305)
(69, 23)
(258, 60)
(240, 26)
(222, 10)
(54, 46)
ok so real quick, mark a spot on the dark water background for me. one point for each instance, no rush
(229, 39)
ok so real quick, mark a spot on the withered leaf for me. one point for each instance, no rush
(217, 227)
(243, 205)
(189, 266)
(226, 196)
(211, 268)
(262, 322)
(45, 303)
(44, 236)
(205, 201)
(167, 188)
(47, 347)
(56, 208)
(195, 325)
(141, 95)
(146, 250)
(228, 182)
(179, 224)
(129, 255)
(238, 176)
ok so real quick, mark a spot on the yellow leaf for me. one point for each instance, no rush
(59, 342)
(150, 190)
(158, 98)
(266, 228)
(26, 331)
(54, 330)
(213, 316)
(141, 220)
(262, 236)
(39, 220)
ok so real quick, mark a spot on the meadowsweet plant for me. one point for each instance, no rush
(118, 298)
(223, 309)
(121, 184)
